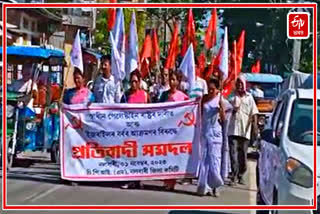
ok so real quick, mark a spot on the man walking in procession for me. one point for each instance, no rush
(244, 113)
(105, 88)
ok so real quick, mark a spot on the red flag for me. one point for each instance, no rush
(173, 49)
(214, 67)
(229, 82)
(144, 68)
(256, 67)
(201, 64)
(156, 49)
(145, 55)
(240, 50)
(190, 34)
(227, 89)
(233, 62)
(111, 14)
(146, 48)
(210, 37)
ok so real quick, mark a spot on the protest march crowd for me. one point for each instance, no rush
(226, 123)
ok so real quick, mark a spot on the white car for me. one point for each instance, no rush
(285, 166)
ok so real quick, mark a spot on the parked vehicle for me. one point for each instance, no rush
(285, 167)
(34, 127)
(270, 85)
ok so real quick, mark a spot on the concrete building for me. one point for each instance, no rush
(34, 26)
(83, 19)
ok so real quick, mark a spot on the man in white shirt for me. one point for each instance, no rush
(164, 84)
(24, 85)
(105, 88)
(256, 92)
(199, 89)
(243, 117)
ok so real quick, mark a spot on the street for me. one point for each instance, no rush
(38, 183)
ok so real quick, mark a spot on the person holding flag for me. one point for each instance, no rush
(105, 88)
(80, 93)
(214, 108)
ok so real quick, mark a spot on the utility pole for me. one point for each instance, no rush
(296, 50)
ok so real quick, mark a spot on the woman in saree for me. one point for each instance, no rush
(80, 93)
(214, 108)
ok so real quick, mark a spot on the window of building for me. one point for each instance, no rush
(25, 23)
(34, 26)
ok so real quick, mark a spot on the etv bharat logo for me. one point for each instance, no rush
(298, 26)
(297, 22)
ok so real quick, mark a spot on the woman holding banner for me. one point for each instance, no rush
(173, 95)
(134, 95)
(213, 117)
(79, 94)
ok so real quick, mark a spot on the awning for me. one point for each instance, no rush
(9, 35)
(9, 26)
(34, 51)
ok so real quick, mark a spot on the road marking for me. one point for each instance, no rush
(37, 196)
(252, 184)
(31, 196)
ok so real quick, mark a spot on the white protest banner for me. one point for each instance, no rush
(130, 141)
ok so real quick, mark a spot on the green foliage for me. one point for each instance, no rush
(102, 35)
(271, 45)
(306, 62)
(141, 25)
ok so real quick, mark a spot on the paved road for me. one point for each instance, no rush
(38, 183)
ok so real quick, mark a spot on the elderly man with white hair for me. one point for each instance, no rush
(243, 117)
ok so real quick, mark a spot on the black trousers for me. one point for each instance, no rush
(238, 147)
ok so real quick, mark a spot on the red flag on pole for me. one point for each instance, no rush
(214, 67)
(234, 57)
(145, 55)
(146, 48)
(111, 14)
(256, 67)
(201, 64)
(240, 50)
(173, 49)
(229, 82)
(156, 49)
(228, 88)
(190, 34)
(210, 37)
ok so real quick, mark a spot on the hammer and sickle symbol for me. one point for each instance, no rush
(76, 123)
(189, 119)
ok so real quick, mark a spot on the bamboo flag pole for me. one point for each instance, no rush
(235, 60)
(65, 80)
